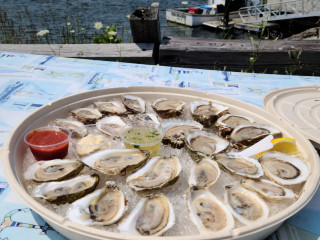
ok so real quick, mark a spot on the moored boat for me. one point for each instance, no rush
(183, 16)
(195, 16)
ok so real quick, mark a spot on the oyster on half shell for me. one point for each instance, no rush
(268, 189)
(112, 107)
(228, 122)
(104, 206)
(152, 216)
(283, 168)
(134, 103)
(168, 108)
(202, 144)
(53, 170)
(72, 125)
(175, 131)
(144, 117)
(66, 191)
(86, 115)
(204, 174)
(115, 122)
(158, 172)
(113, 161)
(245, 205)
(247, 134)
(243, 166)
(207, 212)
(207, 112)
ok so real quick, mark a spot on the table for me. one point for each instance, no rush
(29, 81)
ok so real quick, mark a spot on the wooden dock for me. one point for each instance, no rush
(232, 55)
(255, 27)
(125, 52)
(238, 24)
(216, 25)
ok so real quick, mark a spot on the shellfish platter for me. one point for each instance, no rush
(206, 177)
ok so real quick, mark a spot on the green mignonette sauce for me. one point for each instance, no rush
(143, 138)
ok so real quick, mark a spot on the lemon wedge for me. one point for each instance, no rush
(284, 145)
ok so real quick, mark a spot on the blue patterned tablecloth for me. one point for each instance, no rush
(29, 81)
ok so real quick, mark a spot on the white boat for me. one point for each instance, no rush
(182, 16)
(197, 15)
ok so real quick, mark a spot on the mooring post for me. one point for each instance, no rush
(145, 28)
(226, 13)
(145, 25)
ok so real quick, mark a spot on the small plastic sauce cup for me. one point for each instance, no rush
(49, 142)
(142, 135)
(92, 139)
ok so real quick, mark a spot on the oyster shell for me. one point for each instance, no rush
(202, 144)
(207, 112)
(86, 115)
(134, 104)
(167, 108)
(146, 117)
(53, 170)
(104, 206)
(112, 107)
(243, 166)
(113, 161)
(245, 205)
(228, 122)
(157, 173)
(66, 191)
(72, 125)
(268, 189)
(283, 168)
(115, 122)
(204, 174)
(175, 131)
(152, 216)
(248, 134)
(207, 212)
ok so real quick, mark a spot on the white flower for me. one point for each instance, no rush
(68, 23)
(112, 33)
(155, 4)
(184, 2)
(83, 29)
(42, 32)
(111, 37)
(72, 31)
(98, 25)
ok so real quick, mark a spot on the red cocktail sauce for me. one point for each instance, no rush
(52, 144)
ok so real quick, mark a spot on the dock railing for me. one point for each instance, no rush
(280, 11)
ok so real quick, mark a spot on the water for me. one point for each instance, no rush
(31, 16)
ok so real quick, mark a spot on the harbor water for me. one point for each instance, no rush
(26, 17)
